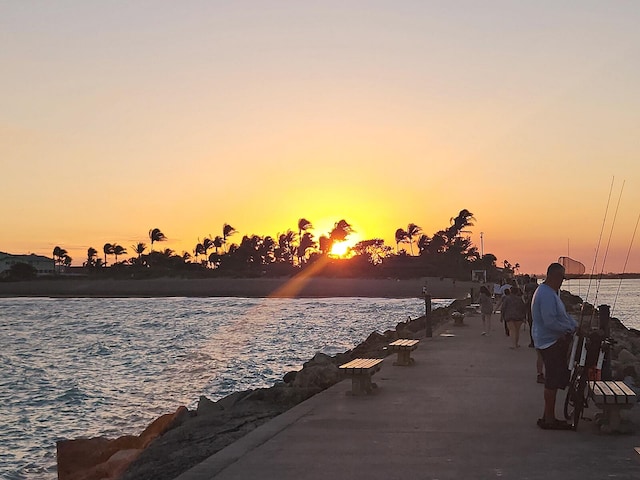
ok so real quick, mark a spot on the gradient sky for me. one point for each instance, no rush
(117, 117)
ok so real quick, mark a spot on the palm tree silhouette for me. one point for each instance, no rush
(92, 253)
(207, 243)
(227, 230)
(108, 250)
(199, 250)
(412, 231)
(218, 242)
(58, 255)
(341, 230)
(285, 243)
(458, 224)
(306, 242)
(139, 248)
(118, 250)
(423, 243)
(401, 237)
(155, 235)
(303, 226)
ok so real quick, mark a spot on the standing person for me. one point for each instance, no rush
(552, 330)
(486, 309)
(529, 289)
(506, 293)
(514, 312)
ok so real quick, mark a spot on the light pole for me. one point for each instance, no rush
(481, 244)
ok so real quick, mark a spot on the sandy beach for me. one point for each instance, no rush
(296, 287)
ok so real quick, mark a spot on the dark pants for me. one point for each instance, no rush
(555, 364)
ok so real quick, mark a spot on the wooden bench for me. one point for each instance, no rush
(404, 347)
(360, 370)
(612, 397)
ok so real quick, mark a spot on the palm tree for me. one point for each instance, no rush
(303, 226)
(324, 244)
(108, 250)
(458, 224)
(207, 243)
(155, 235)
(58, 255)
(341, 231)
(66, 260)
(285, 243)
(139, 248)
(118, 250)
(199, 250)
(227, 230)
(423, 243)
(218, 242)
(401, 237)
(92, 253)
(412, 231)
(306, 242)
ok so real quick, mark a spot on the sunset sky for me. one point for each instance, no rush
(121, 116)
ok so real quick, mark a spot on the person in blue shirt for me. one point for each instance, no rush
(552, 329)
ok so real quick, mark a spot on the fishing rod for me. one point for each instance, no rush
(580, 337)
(626, 260)
(595, 258)
(606, 252)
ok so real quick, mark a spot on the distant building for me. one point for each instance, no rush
(43, 265)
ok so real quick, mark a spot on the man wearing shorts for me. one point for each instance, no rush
(552, 330)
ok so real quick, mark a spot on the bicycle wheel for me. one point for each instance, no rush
(574, 401)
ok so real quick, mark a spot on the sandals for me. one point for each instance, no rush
(554, 425)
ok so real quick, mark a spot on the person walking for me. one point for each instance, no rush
(514, 312)
(486, 309)
(552, 330)
(506, 293)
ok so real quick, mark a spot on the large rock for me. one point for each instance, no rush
(317, 376)
(102, 458)
(625, 357)
(208, 407)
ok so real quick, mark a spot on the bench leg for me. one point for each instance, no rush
(404, 358)
(361, 385)
(610, 421)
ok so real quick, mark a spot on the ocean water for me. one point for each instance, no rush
(85, 367)
(622, 296)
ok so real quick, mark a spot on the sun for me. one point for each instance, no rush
(340, 249)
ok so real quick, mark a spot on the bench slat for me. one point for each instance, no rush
(600, 392)
(404, 343)
(362, 364)
(611, 392)
(620, 397)
(631, 395)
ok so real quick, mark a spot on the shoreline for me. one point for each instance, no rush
(295, 287)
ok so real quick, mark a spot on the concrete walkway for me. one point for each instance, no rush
(466, 409)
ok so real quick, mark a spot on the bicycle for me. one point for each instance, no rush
(590, 352)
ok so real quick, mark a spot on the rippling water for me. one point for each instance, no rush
(622, 296)
(89, 367)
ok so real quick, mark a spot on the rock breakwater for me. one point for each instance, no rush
(176, 442)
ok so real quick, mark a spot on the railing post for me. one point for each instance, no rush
(427, 312)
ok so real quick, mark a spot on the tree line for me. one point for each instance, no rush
(447, 252)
